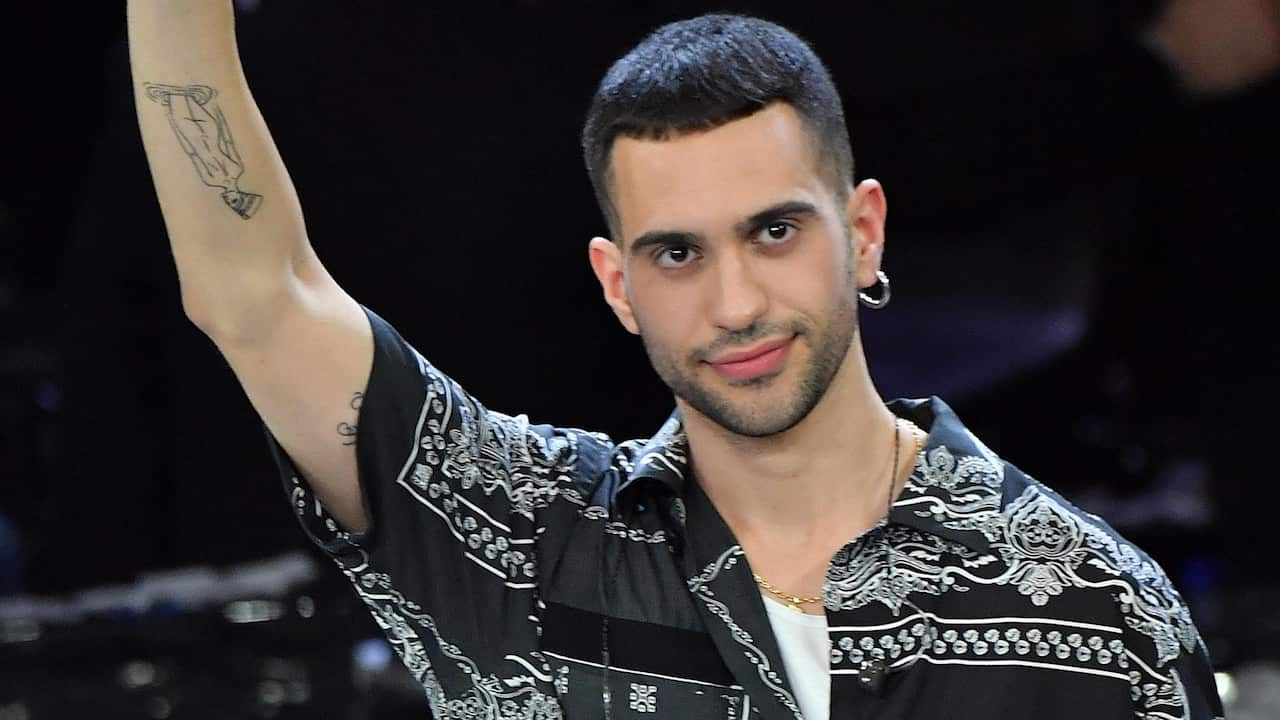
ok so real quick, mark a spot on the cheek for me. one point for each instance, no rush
(810, 280)
(666, 315)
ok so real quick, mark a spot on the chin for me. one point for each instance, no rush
(762, 417)
(761, 427)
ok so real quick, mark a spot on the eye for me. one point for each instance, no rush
(675, 256)
(776, 233)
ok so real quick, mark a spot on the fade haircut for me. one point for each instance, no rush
(699, 74)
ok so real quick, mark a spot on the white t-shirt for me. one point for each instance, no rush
(806, 653)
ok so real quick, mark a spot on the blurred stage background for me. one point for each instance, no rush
(1083, 199)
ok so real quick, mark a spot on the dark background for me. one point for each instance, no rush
(1079, 239)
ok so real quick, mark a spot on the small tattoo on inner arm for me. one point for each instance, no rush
(348, 430)
(205, 136)
(348, 433)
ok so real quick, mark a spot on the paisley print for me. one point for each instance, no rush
(480, 520)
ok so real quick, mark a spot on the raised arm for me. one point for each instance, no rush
(300, 346)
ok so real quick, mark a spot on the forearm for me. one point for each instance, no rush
(233, 218)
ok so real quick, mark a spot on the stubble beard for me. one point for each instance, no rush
(830, 345)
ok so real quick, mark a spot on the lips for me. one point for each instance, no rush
(749, 353)
(753, 362)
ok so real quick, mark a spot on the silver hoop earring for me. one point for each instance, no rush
(875, 303)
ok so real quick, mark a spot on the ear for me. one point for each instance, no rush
(866, 212)
(606, 261)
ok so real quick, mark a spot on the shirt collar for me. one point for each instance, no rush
(951, 461)
(662, 461)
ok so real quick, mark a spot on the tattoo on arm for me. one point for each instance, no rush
(205, 137)
(348, 433)
(348, 430)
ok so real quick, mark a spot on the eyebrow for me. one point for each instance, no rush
(744, 228)
(663, 238)
(774, 213)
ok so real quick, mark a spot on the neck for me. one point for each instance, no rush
(824, 480)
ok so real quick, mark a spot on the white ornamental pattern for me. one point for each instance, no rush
(643, 698)
(481, 474)
(699, 585)
(489, 697)
(1040, 643)
(469, 449)
(1041, 548)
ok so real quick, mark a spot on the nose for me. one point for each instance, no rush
(739, 298)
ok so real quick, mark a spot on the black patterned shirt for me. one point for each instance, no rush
(530, 571)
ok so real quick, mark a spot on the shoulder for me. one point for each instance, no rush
(1041, 525)
(1052, 547)
(1056, 555)
(1052, 550)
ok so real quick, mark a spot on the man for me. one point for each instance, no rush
(786, 545)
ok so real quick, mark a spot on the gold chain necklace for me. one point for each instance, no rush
(794, 602)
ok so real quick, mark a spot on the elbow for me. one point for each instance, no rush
(198, 310)
(237, 313)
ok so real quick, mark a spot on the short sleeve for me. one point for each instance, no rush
(455, 495)
(1170, 673)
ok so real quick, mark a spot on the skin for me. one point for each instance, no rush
(797, 461)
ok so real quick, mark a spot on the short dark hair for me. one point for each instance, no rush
(702, 73)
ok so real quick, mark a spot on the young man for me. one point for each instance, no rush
(786, 545)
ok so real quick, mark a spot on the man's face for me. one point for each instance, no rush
(738, 268)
